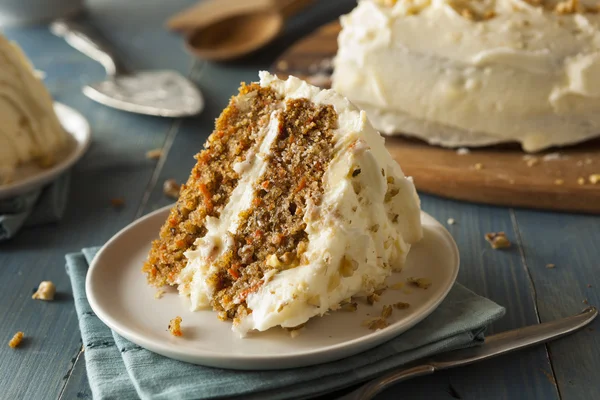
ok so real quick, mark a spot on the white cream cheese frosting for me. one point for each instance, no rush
(29, 128)
(361, 231)
(471, 73)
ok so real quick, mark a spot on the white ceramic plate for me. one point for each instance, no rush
(118, 293)
(29, 177)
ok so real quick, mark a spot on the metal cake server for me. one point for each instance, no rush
(160, 93)
(493, 346)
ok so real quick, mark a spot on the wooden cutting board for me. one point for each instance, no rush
(500, 175)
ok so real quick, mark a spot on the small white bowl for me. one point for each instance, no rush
(24, 12)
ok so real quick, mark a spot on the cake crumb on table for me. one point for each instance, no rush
(594, 178)
(423, 283)
(581, 180)
(550, 266)
(451, 221)
(171, 188)
(533, 161)
(478, 166)
(175, 326)
(497, 240)
(117, 202)
(16, 340)
(461, 151)
(559, 181)
(46, 291)
(154, 154)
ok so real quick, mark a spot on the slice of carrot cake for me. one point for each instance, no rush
(293, 206)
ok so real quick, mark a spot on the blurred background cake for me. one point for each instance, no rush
(474, 73)
(29, 128)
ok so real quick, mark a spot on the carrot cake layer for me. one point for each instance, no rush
(307, 209)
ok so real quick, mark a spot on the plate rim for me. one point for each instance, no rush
(216, 359)
(82, 140)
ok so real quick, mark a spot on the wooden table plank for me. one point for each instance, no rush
(571, 243)
(499, 276)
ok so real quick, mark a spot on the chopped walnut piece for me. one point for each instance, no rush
(159, 294)
(171, 188)
(175, 326)
(497, 240)
(422, 283)
(401, 305)
(16, 340)
(386, 311)
(154, 154)
(594, 179)
(45, 291)
(372, 298)
(376, 323)
(117, 202)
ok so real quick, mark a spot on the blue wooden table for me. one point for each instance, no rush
(52, 364)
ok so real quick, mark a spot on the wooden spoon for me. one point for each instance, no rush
(239, 34)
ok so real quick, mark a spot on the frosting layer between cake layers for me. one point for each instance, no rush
(360, 231)
(30, 130)
(475, 73)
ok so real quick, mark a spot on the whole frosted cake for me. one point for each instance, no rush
(472, 73)
(293, 207)
(29, 128)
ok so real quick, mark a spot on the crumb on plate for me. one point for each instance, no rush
(401, 305)
(175, 326)
(372, 298)
(159, 294)
(422, 283)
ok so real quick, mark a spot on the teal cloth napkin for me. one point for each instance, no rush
(119, 369)
(38, 207)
